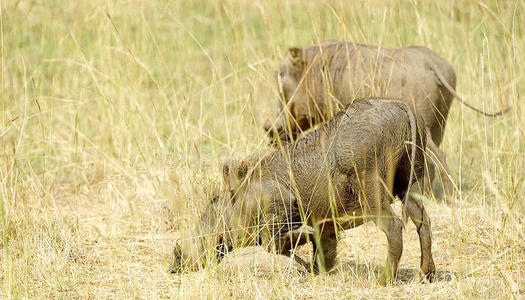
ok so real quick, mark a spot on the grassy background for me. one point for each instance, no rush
(116, 116)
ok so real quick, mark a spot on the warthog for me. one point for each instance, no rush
(316, 82)
(339, 176)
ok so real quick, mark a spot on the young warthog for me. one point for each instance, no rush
(318, 81)
(337, 177)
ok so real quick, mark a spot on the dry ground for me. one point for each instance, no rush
(116, 116)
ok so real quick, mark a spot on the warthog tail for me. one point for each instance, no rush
(445, 83)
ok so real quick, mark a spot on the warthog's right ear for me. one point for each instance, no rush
(240, 170)
(295, 54)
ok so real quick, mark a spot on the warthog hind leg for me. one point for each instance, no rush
(417, 213)
(392, 226)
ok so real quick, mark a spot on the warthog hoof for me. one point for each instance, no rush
(385, 280)
(428, 277)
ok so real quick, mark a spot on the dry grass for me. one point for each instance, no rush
(116, 116)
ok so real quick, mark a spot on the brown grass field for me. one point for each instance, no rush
(116, 117)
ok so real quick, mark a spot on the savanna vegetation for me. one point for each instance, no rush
(116, 117)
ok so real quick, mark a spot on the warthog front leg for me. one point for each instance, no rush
(417, 213)
(392, 226)
(324, 248)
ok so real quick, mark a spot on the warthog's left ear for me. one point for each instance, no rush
(295, 54)
(226, 167)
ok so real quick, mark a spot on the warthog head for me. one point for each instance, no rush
(292, 101)
(226, 222)
(206, 241)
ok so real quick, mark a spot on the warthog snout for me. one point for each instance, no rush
(187, 257)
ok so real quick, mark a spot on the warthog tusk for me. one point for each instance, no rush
(303, 230)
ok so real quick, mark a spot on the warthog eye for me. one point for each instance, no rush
(176, 265)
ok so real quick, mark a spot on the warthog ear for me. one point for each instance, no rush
(296, 55)
(214, 197)
(226, 167)
(242, 170)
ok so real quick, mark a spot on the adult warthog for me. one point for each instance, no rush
(339, 176)
(317, 82)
